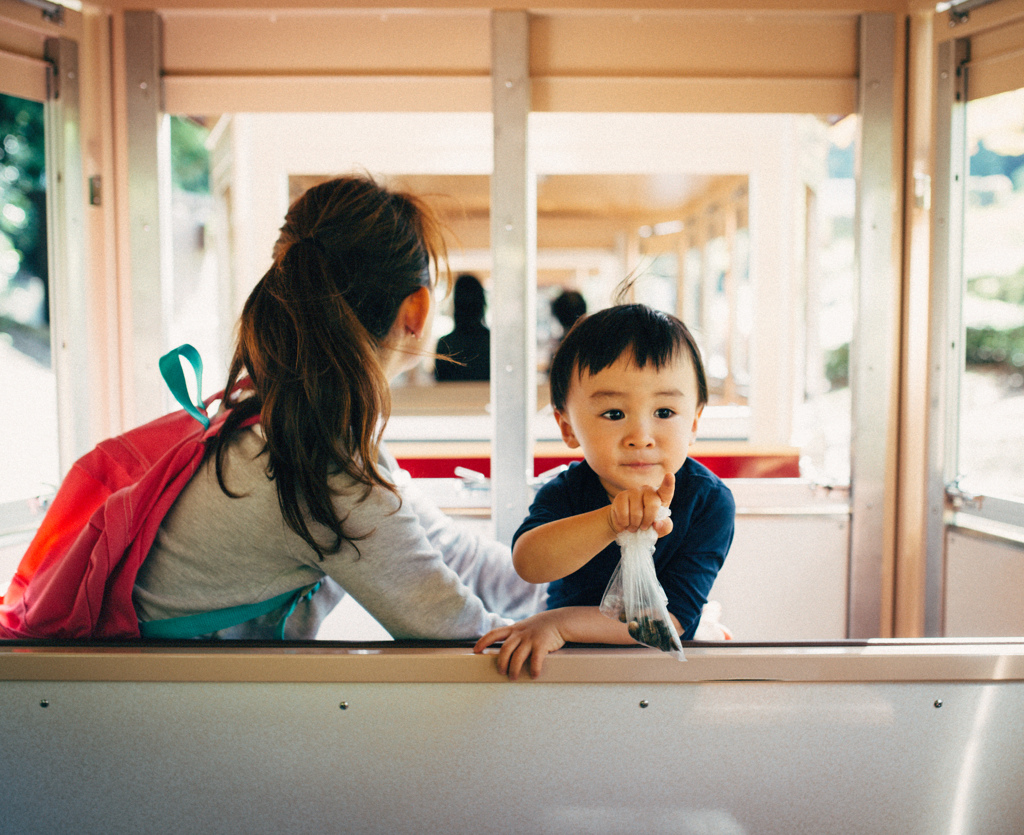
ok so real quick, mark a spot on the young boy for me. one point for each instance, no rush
(627, 387)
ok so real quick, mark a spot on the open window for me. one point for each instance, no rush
(750, 190)
(726, 180)
(976, 551)
(44, 408)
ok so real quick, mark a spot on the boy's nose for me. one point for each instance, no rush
(639, 437)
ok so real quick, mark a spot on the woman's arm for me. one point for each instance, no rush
(483, 564)
(398, 576)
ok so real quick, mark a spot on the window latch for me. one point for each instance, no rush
(960, 498)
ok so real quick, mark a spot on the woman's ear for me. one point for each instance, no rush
(414, 312)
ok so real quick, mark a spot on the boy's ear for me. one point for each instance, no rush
(693, 429)
(567, 434)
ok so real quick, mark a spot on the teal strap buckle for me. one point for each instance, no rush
(300, 595)
(174, 376)
(204, 623)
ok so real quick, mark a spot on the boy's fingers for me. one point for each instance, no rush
(520, 657)
(663, 527)
(506, 656)
(636, 513)
(650, 502)
(622, 511)
(537, 662)
(492, 637)
(667, 489)
(613, 518)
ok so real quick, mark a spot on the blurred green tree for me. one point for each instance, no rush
(190, 161)
(23, 188)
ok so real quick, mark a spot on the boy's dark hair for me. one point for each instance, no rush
(597, 341)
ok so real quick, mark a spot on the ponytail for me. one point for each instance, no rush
(310, 339)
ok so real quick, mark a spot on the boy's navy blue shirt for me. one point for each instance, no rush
(687, 560)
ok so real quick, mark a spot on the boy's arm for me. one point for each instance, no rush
(560, 547)
(531, 640)
(557, 549)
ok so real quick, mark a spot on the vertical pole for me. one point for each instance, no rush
(946, 349)
(682, 280)
(514, 290)
(142, 41)
(729, 222)
(874, 347)
(65, 209)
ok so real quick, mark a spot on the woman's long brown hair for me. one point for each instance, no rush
(310, 339)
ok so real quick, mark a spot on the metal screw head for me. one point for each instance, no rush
(644, 703)
(938, 703)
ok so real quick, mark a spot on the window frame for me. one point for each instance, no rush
(41, 64)
(949, 505)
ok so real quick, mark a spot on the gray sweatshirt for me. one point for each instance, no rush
(414, 570)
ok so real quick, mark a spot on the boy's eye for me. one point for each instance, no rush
(664, 413)
(614, 414)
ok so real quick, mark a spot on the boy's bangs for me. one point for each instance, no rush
(631, 330)
(598, 341)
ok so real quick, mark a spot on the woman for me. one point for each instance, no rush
(308, 494)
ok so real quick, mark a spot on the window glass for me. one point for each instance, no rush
(28, 406)
(991, 452)
(757, 257)
(196, 294)
(822, 428)
(718, 318)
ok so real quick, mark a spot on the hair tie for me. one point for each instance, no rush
(314, 242)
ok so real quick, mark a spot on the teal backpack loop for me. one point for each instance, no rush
(188, 627)
(174, 376)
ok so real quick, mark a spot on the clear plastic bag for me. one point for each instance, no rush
(635, 597)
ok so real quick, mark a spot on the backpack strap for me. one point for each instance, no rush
(174, 376)
(203, 623)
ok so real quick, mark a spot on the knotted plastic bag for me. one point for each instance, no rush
(635, 596)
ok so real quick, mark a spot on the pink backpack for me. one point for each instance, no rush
(76, 579)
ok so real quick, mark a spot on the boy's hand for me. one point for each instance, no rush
(634, 509)
(528, 640)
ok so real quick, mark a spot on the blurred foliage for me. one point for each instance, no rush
(23, 181)
(190, 161)
(991, 347)
(837, 366)
(1004, 288)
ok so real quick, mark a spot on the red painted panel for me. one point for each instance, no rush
(724, 466)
